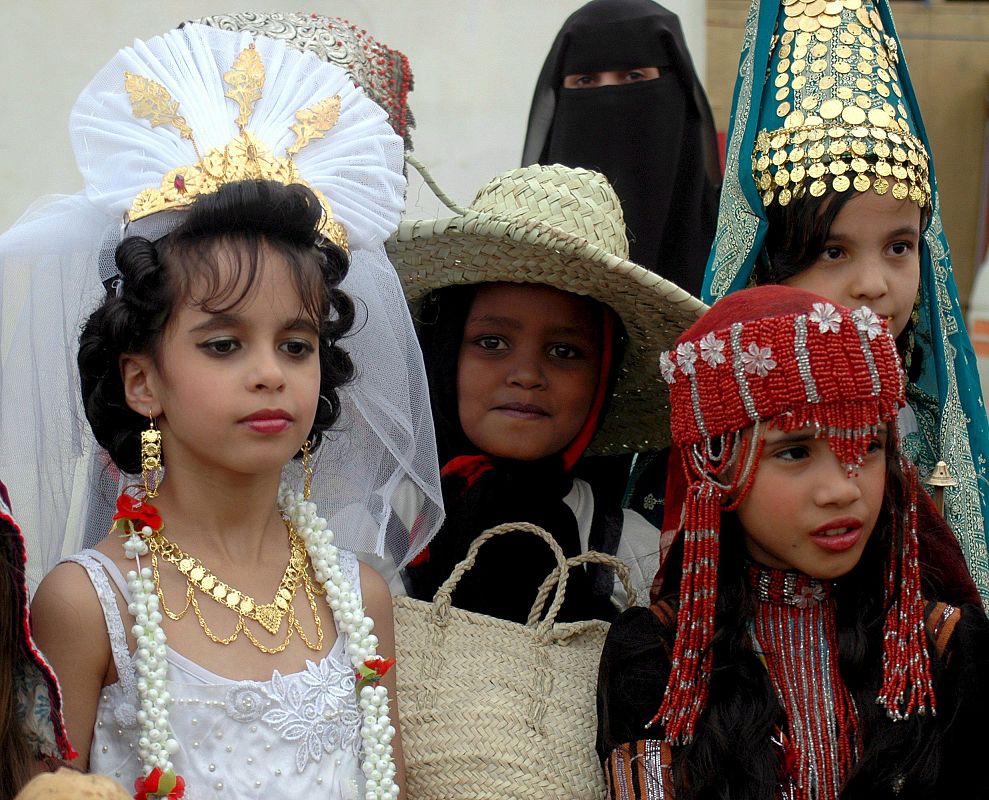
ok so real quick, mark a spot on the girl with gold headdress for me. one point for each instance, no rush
(254, 367)
(830, 187)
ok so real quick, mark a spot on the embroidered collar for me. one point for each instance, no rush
(787, 586)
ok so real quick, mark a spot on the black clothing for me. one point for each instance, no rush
(635, 668)
(654, 140)
(510, 568)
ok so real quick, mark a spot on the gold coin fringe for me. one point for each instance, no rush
(842, 122)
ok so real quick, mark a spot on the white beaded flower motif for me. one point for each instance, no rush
(867, 322)
(826, 317)
(712, 350)
(686, 356)
(758, 360)
(667, 367)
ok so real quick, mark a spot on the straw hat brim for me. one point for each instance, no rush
(484, 248)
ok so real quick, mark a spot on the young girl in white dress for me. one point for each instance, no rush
(221, 645)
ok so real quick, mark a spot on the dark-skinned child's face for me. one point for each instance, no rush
(528, 368)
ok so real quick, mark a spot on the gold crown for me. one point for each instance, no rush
(243, 158)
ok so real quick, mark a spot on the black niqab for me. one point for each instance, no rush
(654, 140)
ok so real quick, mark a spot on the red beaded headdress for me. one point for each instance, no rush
(783, 355)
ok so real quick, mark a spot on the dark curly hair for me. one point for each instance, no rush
(158, 276)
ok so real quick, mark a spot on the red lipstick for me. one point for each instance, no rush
(268, 420)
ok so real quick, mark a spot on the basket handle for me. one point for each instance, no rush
(442, 600)
(590, 557)
(430, 181)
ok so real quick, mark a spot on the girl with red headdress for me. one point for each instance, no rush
(32, 732)
(793, 649)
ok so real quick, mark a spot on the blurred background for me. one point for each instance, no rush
(475, 64)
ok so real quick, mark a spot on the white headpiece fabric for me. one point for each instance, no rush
(377, 478)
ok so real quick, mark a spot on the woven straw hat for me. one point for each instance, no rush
(562, 227)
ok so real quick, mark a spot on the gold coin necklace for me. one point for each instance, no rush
(268, 615)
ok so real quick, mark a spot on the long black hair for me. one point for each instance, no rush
(186, 266)
(731, 754)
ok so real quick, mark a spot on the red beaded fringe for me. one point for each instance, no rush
(907, 683)
(799, 641)
(686, 694)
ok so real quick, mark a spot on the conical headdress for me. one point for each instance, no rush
(823, 102)
(833, 112)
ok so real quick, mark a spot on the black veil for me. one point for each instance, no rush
(655, 141)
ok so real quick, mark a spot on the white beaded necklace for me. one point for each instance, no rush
(157, 743)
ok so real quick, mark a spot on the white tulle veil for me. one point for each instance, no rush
(377, 479)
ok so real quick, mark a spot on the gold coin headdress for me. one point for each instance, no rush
(823, 102)
(245, 157)
(833, 113)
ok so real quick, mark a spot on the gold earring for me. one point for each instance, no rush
(151, 459)
(307, 471)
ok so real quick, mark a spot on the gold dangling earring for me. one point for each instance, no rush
(307, 470)
(151, 459)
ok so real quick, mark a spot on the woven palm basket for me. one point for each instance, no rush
(562, 227)
(495, 710)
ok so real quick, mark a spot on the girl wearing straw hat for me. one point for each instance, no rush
(618, 94)
(541, 343)
(794, 650)
(830, 187)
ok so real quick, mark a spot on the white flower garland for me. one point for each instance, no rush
(157, 742)
(376, 729)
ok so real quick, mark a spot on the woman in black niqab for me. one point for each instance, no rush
(654, 140)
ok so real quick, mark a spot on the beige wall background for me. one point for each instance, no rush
(475, 64)
(946, 44)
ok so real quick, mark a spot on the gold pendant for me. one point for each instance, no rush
(269, 615)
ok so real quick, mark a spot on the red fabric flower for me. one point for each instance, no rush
(380, 665)
(138, 512)
(159, 783)
(372, 671)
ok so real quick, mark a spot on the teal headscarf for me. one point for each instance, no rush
(823, 101)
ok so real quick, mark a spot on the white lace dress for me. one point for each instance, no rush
(292, 736)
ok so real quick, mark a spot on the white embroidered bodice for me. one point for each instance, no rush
(294, 736)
